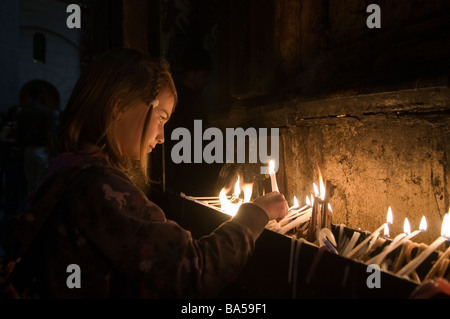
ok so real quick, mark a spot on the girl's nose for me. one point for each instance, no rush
(160, 136)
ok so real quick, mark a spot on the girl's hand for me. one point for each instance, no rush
(274, 204)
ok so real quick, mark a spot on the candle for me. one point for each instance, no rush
(386, 231)
(376, 233)
(351, 243)
(378, 259)
(416, 262)
(422, 228)
(273, 179)
(437, 264)
(399, 240)
(300, 219)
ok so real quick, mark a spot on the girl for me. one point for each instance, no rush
(88, 213)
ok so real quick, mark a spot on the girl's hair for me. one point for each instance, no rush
(120, 74)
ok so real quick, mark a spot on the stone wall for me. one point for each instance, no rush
(369, 107)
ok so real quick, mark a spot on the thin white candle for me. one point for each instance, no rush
(416, 262)
(273, 178)
(437, 264)
(422, 228)
(380, 257)
(351, 243)
(303, 218)
(399, 240)
(376, 233)
(293, 214)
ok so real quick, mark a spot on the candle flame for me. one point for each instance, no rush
(248, 190)
(321, 185)
(423, 224)
(389, 218)
(316, 190)
(329, 208)
(226, 206)
(312, 200)
(237, 189)
(445, 230)
(386, 230)
(308, 202)
(407, 227)
(272, 166)
(296, 204)
(224, 202)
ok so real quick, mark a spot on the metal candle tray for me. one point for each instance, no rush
(272, 272)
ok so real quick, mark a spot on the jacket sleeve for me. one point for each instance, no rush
(133, 233)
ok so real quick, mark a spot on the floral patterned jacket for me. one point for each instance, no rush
(90, 214)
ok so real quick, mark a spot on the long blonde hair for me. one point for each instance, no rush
(120, 74)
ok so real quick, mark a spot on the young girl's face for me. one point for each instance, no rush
(129, 125)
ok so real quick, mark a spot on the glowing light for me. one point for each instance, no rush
(389, 218)
(423, 224)
(237, 189)
(248, 190)
(406, 227)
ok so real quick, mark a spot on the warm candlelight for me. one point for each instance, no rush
(273, 179)
(422, 228)
(322, 187)
(399, 240)
(386, 231)
(237, 189)
(296, 204)
(316, 190)
(308, 201)
(226, 206)
(390, 217)
(406, 226)
(248, 190)
(416, 262)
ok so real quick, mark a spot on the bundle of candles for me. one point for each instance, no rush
(312, 222)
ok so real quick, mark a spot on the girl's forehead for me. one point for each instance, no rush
(165, 99)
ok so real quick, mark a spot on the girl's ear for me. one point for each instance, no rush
(117, 112)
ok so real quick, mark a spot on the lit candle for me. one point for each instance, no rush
(226, 206)
(422, 228)
(416, 262)
(386, 231)
(273, 179)
(398, 240)
(376, 233)
(299, 219)
(294, 212)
